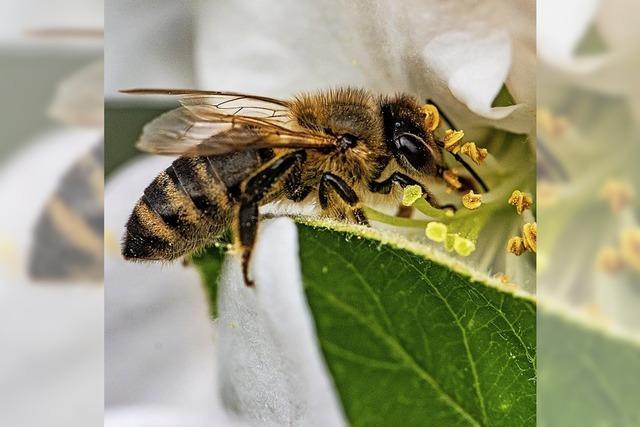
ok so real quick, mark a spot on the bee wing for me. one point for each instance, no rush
(227, 103)
(79, 99)
(201, 130)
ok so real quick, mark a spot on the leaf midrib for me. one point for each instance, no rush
(395, 345)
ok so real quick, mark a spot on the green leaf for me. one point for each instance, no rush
(410, 341)
(410, 338)
(503, 98)
(209, 263)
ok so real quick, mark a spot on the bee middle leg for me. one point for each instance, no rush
(344, 191)
(256, 188)
(384, 187)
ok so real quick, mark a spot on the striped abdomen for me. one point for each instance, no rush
(186, 206)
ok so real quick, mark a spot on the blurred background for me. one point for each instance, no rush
(51, 192)
(589, 246)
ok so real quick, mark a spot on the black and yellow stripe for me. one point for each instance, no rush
(187, 205)
(68, 237)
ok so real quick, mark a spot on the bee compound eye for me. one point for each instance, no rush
(413, 149)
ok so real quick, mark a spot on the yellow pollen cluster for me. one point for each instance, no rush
(432, 119)
(530, 236)
(474, 153)
(463, 246)
(528, 242)
(452, 140)
(451, 179)
(453, 144)
(410, 194)
(522, 201)
(472, 200)
(436, 231)
(515, 245)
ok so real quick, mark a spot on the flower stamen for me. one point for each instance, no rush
(451, 178)
(410, 194)
(528, 242)
(522, 201)
(471, 200)
(515, 245)
(432, 119)
(474, 153)
(436, 231)
(452, 140)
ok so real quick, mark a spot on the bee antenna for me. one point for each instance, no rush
(468, 167)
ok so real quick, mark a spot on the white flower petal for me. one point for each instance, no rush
(257, 47)
(564, 23)
(158, 333)
(270, 368)
(475, 67)
(52, 355)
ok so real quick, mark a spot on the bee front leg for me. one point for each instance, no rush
(255, 189)
(384, 187)
(344, 191)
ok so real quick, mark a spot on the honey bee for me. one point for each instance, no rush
(339, 147)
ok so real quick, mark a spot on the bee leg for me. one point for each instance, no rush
(256, 188)
(384, 187)
(345, 192)
(294, 189)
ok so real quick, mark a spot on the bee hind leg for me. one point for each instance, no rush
(345, 192)
(256, 188)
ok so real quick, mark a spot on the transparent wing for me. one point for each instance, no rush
(228, 103)
(201, 130)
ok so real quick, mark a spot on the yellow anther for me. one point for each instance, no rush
(476, 154)
(617, 193)
(411, 194)
(451, 179)
(530, 236)
(609, 260)
(630, 247)
(463, 246)
(522, 201)
(472, 200)
(515, 245)
(436, 231)
(452, 140)
(432, 119)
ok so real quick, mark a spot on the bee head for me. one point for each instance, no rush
(406, 136)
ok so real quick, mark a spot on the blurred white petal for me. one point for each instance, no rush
(258, 47)
(158, 333)
(51, 365)
(166, 416)
(148, 45)
(564, 23)
(475, 67)
(271, 369)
